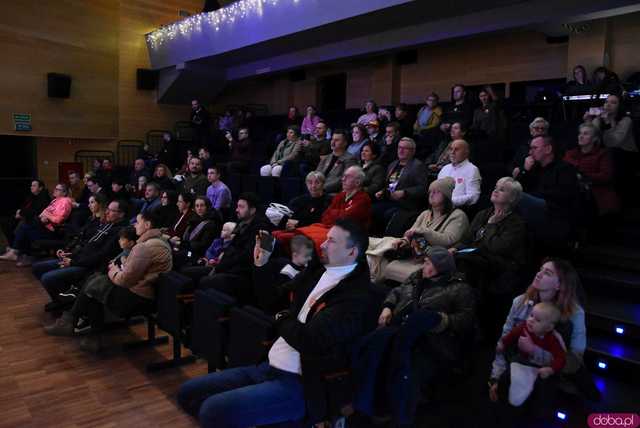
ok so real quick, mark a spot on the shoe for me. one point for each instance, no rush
(62, 327)
(82, 326)
(55, 306)
(91, 344)
(11, 255)
(24, 261)
(73, 292)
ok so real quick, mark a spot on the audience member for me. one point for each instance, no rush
(200, 122)
(489, 128)
(440, 225)
(289, 149)
(218, 192)
(213, 255)
(374, 172)
(186, 216)
(119, 190)
(205, 158)
(168, 212)
(373, 132)
(151, 199)
(76, 186)
(326, 316)
(424, 329)
(162, 177)
(309, 122)
(405, 123)
(595, 166)
(551, 187)
(307, 209)
(139, 169)
(35, 203)
(460, 109)
(199, 234)
(441, 156)
(49, 220)
(195, 182)
(225, 122)
(404, 188)
(314, 148)
(466, 175)
(429, 115)
(370, 113)
(539, 127)
(241, 150)
(359, 137)
(389, 146)
(334, 165)
(579, 84)
(170, 153)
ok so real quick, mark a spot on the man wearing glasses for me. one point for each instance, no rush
(90, 254)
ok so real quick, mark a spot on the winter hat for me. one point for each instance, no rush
(441, 259)
(444, 185)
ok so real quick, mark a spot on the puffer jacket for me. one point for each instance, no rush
(448, 295)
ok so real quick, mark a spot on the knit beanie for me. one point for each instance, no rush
(444, 185)
(441, 259)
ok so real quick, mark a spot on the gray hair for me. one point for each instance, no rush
(411, 142)
(515, 188)
(540, 121)
(317, 175)
(595, 131)
(359, 171)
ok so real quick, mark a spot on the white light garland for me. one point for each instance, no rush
(216, 19)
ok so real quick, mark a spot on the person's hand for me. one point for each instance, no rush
(65, 262)
(500, 347)
(525, 344)
(385, 317)
(433, 167)
(545, 372)
(493, 391)
(445, 127)
(409, 233)
(379, 194)
(291, 224)
(397, 195)
(452, 250)
(260, 256)
(529, 162)
(399, 243)
(497, 216)
(516, 172)
(174, 239)
(229, 137)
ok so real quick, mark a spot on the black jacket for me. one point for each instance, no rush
(336, 320)
(238, 257)
(557, 184)
(268, 285)
(203, 239)
(413, 180)
(34, 205)
(308, 210)
(100, 248)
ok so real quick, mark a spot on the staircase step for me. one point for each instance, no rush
(601, 281)
(607, 314)
(621, 358)
(612, 256)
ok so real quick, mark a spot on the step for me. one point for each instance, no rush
(612, 256)
(617, 318)
(601, 281)
(621, 359)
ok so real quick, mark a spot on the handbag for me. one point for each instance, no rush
(277, 213)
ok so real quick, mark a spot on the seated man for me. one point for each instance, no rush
(326, 316)
(89, 254)
(133, 283)
(466, 175)
(352, 202)
(405, 186)
(314, 148)
(551, 191)
(334, 165)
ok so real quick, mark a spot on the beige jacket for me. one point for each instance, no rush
(148, 258)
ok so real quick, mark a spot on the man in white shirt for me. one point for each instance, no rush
(327, 315)
(466, 175)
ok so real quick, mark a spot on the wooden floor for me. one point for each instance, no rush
(49, 382)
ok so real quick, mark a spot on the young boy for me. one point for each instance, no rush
(215, 251)
(126, 239)
(539, 326)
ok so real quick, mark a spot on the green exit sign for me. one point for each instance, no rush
(22, 121)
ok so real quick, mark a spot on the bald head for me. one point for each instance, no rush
(459, 152)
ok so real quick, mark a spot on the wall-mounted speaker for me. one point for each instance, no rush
(58, 85)
(146, 80)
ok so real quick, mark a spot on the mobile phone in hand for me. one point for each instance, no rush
(266, 241)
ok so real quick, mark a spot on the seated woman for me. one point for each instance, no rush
(307, 209)
(375, 175)
(310, 121)
(370, 113)
(162, 175)
(441, 225)
(440, 156)
(186, 216)
(359, 137)
(287, 150)
(595, 165)
(199, 234)
(44, 227)
(168, 209)
(557, 282)
(425, 328)
(496, 241)
(351, 203)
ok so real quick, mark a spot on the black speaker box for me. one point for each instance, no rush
(58, 85)
(146, 79)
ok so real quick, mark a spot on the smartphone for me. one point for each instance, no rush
(266, 241)
(595, 111)
(467, 250)
(420, 245)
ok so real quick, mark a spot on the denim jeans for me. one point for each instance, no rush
(55, 279)
(244, 397)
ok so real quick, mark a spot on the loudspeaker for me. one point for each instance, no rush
(297, 75)
(58, 85)
(407, 57)
(146, 79)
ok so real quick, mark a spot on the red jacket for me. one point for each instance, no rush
(356, 208)
(549, 343)
(597, 166)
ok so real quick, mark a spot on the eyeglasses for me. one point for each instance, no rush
(61, 189)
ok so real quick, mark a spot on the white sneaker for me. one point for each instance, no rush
(11, 255)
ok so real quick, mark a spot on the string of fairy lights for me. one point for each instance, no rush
(215, 19)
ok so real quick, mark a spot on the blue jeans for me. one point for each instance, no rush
(26, 233)
(55, 279)
(244, 397)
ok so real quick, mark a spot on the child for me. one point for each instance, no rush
(539, 327)
(215, 251)
(126, 239)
